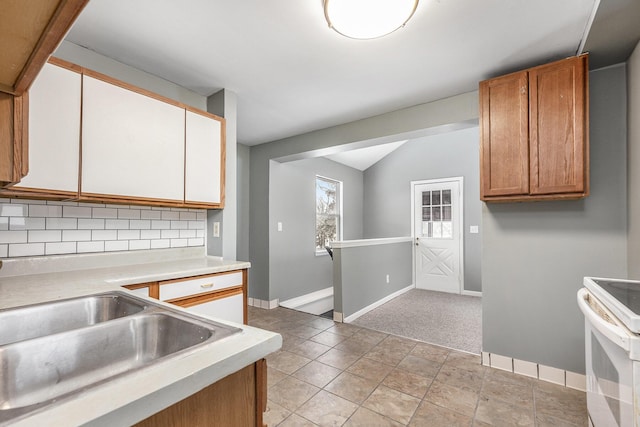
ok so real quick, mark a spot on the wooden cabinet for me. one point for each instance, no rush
(534, 133)
(94, 138)
(54, 132)
(238, 400)
(13, 138)
(132, 144)
(222, 295)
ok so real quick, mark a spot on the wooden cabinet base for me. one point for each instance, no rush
(237, 400)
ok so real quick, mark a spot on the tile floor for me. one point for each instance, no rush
(334, 374)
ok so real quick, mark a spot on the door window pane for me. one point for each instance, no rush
(446, 197)
(446, 213)
(437, 230)
(436, 213)
(447, 229)
(435, 198)
(426, 198)
(426, 214)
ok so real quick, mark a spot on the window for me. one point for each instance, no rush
(328, 212)
(436, 214)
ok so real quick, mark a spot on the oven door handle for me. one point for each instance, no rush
(614, 332)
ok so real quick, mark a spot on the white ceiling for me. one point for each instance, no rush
(363, 158)
(292, 74)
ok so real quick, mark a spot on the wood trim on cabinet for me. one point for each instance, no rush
(41, 27)
(154, 288)
(14, 112)
(261, 391)
(190, 301)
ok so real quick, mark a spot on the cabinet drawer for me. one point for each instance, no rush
(229, 308)
(187, 287)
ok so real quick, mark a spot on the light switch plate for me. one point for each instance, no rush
(216, 229)
(473, 229)
(279, 226)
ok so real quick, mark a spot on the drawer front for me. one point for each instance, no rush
(188, 287)
(229, 308)
(143, 292)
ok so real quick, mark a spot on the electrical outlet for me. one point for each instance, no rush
(216, 229)
(387, 278)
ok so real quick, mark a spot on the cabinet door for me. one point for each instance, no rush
(204, 159)
(558, 127)
(229, 308)
(504, 144)
(132, 144)
(54, 131)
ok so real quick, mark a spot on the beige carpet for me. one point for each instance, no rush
(449, 320)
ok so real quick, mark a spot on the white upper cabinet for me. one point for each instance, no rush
(203, 165)
(132, 144)
(54, 130)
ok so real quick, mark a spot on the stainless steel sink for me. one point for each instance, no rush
(49, 318)
(48, 367)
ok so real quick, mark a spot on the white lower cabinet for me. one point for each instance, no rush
(230, 308)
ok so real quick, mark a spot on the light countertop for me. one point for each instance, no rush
(131, 397)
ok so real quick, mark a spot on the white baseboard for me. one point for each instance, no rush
(268, 305)
(472, 293)
(337, 317)
(376, 304)
(535, 370)
(317, 302)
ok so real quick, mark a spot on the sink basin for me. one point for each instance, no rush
(99, 338)
(49, 318)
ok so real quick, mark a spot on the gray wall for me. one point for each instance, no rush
(407, 123)
(387, 192)
(360, 273)
(633, 162)
(244, 156)
(535, 254)
(294, 268)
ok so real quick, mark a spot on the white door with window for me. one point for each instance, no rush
(437, 232)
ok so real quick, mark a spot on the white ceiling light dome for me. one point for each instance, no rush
(368, 19)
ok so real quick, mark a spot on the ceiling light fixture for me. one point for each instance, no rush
(368, 19)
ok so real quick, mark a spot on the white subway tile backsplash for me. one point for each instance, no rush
(128, 234)
(62, 224)
(177, 225)
(188, 216)
(170, 234)
(91, 224)
(9, 209)
(36, 227)
(140, 224)
(179, 243)
(149, 234)
(43, 211)
(57, 248)
(168, 215)
(13, 237)
(90, 247)
(36, 236)
(150, 214)
(116, 245)
(107, 213)
(25, 223)
(76, 235)
(198, 241)
(26, 249)
(187, 234)
(104, 235)
(128, 213)
(160, 225)
(136, 245)
(76, 212)
(196, 225)
(116, 224)
(160, 244)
